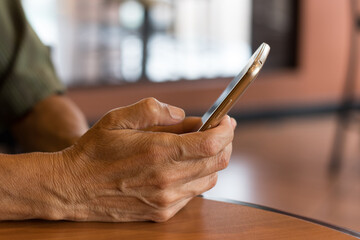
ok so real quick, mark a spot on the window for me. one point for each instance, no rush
(112, 41)
(118, 41)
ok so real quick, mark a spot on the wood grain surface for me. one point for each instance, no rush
(200, 219)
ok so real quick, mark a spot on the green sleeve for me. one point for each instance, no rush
(27, 75)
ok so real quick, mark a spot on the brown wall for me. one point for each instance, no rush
(323, 55)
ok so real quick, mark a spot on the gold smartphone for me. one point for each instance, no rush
(235, 89)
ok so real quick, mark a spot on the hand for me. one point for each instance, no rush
(118, 172)
(188, 125)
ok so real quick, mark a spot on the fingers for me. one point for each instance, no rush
(141, 115)
(164, 215)
(190, 170)
(170, 175)
(201, 176)
(233, 123)
(167, 203)
(190, 124)
(166, 198)
(205, 144)
(186, 157)
(203, 167)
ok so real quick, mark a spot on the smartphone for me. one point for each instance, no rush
(235, 89)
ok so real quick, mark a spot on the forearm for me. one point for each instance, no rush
(54, 124)
(27, 189)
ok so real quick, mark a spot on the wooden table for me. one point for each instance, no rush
(200, 219)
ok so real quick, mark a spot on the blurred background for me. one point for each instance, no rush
(120, 41)
(297, 142)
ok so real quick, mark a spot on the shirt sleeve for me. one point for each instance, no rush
(27, 75)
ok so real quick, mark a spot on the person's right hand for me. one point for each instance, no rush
(119, 172)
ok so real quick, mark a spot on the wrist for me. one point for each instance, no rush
(28, 190)
(59, 186)
(48, 199)
(66, 186)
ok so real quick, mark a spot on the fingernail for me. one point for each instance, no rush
(228, 118)
(176, 113)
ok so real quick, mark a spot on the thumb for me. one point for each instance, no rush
(146, 113)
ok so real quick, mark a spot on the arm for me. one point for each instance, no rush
(52, 125)
(41, 119)
(117, 171)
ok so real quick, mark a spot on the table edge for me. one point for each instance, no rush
(312, 220)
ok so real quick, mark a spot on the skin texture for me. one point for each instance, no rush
(138, 163)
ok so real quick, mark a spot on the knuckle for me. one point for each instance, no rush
(213, 180)
(176, 150)
(108, 119)
(229, 150)
(161, 150)
(162, 216)
(209, 147)
(152, 105)
(223, 160)
(163, 201)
